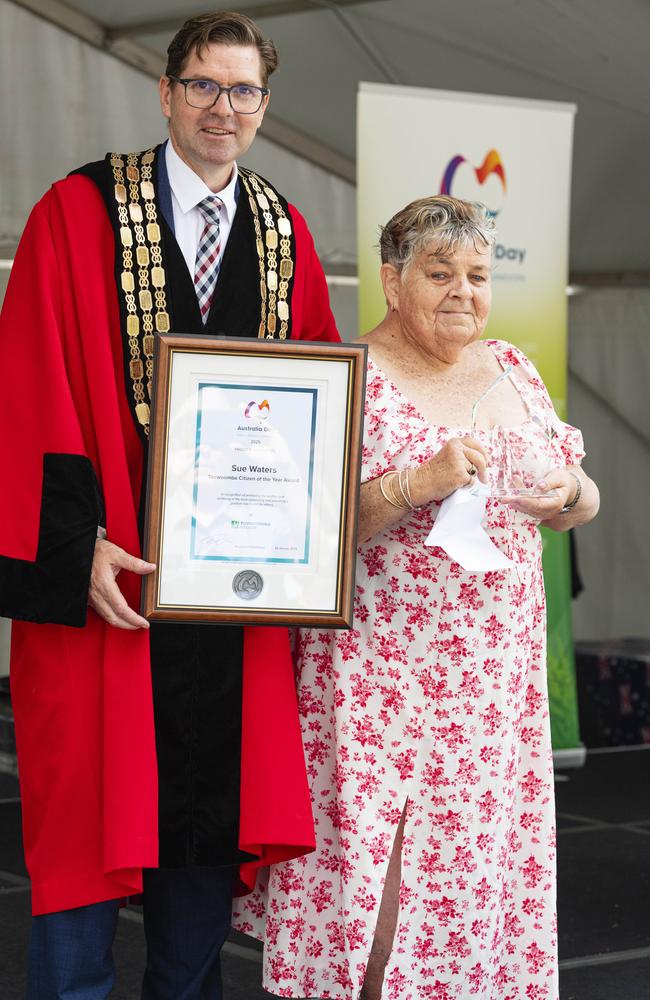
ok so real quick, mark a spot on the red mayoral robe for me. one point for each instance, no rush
(82, 696)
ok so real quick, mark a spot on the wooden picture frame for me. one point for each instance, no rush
(253, 481)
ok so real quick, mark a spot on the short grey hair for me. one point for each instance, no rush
(447, 223)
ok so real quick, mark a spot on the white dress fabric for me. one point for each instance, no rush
(434, 702)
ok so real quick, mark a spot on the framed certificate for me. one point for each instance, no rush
(253, 485)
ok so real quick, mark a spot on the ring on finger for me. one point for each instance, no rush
(472, 470)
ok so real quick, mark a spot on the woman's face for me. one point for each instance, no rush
(443, 301)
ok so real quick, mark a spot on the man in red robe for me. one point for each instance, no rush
(164, 758)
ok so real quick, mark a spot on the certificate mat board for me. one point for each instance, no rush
(254, 481)
(514, 156)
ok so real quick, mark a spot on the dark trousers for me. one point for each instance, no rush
(186, 922)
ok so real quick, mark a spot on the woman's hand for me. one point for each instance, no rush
(458, 463)
(542, 508)
(547, 510)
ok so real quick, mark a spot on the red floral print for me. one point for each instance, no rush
(435, 705)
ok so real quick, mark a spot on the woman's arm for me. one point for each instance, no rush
(433, 480)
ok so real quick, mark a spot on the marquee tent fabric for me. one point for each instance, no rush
(589, 52)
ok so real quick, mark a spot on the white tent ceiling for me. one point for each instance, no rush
(591, 52)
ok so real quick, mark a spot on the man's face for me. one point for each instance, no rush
(209, 140)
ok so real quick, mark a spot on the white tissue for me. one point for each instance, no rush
(458, 530)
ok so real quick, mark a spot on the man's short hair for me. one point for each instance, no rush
(223, 27)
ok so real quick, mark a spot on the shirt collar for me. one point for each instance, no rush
(189, 189)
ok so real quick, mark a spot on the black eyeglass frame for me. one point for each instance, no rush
(264, 92)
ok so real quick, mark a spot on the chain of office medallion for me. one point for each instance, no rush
(141, 319)
(274, 280)
(138, 203)
(260, 254)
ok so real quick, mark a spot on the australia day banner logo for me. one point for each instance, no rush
(460, 180)
(491, 165)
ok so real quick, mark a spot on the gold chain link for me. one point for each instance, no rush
(139, 230)
(134, 207)
(274, 280)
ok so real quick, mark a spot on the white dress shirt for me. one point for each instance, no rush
(187, 191)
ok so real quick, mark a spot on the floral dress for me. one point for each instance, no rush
(435, 704)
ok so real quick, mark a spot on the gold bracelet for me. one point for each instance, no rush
(391, 488)
(394, 501)
(401, 488)
(405, 487)
(402, 504)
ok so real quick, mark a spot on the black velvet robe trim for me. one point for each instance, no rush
(196, 669)
(54, 588)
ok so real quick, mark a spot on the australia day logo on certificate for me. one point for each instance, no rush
(253, 473)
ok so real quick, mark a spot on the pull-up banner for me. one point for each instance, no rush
(515, 157)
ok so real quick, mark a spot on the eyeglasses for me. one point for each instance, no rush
(244, 98)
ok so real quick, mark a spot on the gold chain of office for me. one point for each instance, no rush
(272, 233)
(146, 312)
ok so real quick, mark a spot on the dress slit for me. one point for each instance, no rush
(381, 948)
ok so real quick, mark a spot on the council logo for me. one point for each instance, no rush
(492, 164)
(248, 584)
(257, 411)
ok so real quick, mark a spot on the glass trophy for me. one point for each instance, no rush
(520, 456)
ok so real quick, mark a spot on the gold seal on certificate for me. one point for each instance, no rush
(254, 480)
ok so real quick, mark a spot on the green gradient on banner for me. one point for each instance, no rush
(529, 308)
(562, 695)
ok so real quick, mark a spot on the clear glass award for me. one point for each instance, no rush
(520, 456)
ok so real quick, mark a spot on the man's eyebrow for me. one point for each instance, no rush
(209, 79)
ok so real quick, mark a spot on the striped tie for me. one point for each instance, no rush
(206, 268)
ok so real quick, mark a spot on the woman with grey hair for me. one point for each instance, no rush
(426, 726)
